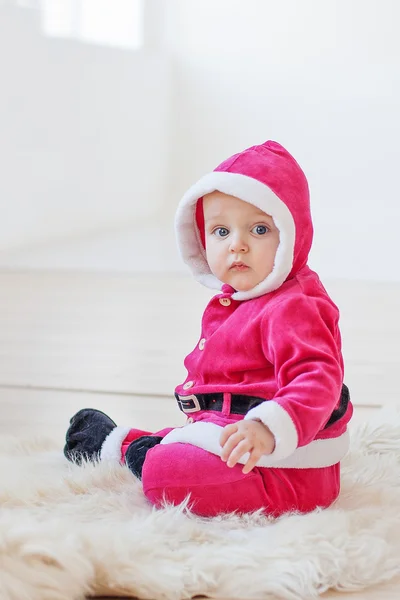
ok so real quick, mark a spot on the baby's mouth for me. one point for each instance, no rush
(239, 266)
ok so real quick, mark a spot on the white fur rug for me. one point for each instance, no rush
(67, 531)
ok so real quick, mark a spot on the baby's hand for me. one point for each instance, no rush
(246, 436)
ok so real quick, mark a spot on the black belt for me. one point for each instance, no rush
(240, 404)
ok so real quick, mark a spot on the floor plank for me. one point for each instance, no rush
(89, 332)
(47, 412)
(129, 333)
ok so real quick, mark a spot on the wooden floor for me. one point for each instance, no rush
(116, 342)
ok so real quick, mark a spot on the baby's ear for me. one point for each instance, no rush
(200, 221)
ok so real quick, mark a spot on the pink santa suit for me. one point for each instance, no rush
(272, 354)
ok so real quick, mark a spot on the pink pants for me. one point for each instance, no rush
(173, 471)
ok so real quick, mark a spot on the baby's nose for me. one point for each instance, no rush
(238, 244)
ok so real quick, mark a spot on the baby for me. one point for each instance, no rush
(264, 395)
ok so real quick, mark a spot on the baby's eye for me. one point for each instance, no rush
(260, 229)
(221, 232)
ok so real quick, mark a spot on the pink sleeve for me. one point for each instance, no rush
(304, 348)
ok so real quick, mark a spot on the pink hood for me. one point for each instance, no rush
(268, 177)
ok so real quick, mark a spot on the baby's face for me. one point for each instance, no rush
(241, 241)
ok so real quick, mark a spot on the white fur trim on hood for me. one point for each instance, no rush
(249, 190)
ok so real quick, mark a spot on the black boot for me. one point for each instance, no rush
(137, 450)
(87, 431)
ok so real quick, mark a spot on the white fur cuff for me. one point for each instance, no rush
(281, 425)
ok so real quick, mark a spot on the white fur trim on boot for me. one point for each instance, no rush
(111, 448)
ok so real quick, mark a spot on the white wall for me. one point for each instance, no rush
(83, 134)
(92, 140)
(323, 78)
